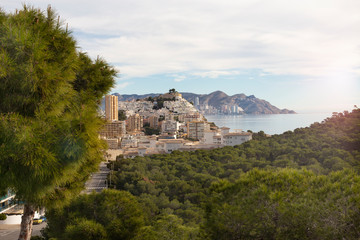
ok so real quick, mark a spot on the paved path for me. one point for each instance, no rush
(12, 231)
(98, 180)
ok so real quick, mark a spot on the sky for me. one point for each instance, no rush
(300, 55)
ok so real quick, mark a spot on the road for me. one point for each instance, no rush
(98, 180)
(11, 232)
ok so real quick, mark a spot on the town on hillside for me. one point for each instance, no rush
(162, 124)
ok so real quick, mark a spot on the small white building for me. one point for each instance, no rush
(129, 142)
(172, 144)
(236, 138)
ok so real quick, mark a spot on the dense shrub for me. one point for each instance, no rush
(3, 216)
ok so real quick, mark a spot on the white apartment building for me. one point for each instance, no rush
(196, 129)
(169, 126)
(236, 138)
(212, 137)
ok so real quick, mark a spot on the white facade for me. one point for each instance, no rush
(224, 130)
(129, 142)
(169, 126)
(195, 130)
(144, 144)
(212, 137)
(172, 145)
(232, 139)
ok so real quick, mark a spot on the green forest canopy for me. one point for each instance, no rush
(297, 185)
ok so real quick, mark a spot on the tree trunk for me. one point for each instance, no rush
(27, 222)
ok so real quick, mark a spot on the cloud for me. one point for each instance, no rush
(216, 74)
(179, 78)
(294, 50)
(121, 86)
(280, 37)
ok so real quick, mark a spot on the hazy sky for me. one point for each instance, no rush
(302, 55)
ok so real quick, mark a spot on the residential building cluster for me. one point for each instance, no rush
(176, 125)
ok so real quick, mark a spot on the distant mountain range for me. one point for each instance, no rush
(250, 104)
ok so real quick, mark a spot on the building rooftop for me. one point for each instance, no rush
(238, 134)
(171, 140)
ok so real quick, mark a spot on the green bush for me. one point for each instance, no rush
(3, 216)
(36, 238)
(86, 229)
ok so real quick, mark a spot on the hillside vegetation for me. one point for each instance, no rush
(297, 185)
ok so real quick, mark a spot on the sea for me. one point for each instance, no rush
(269, 123)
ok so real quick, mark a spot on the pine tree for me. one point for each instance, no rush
(49, 124)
